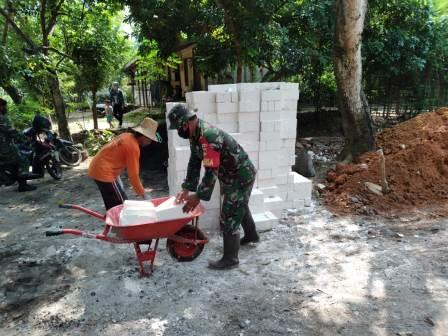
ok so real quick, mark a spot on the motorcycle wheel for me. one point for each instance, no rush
(54, 168)
(70, 156)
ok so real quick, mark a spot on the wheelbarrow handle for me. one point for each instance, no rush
(80, 208)
(66, 206)
(54, 233)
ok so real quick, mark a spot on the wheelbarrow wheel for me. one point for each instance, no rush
(185, 251)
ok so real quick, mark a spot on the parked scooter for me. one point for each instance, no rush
(41, 149)
(69, 153)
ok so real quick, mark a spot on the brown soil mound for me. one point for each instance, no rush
(416, 154)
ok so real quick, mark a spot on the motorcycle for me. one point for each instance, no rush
(42, 153)
(69, 153)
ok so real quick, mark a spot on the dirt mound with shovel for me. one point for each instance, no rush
(416, 171)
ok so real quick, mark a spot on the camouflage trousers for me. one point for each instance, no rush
(11, 154)
(235, 206)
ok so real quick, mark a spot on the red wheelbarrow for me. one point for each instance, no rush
(185, 241)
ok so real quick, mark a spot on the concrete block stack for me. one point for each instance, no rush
(262, 118)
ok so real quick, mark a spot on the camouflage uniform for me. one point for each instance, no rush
(223, 159)
(8, 150)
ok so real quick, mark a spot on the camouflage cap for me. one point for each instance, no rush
(179, 115)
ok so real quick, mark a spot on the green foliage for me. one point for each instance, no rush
(96, 139)
(150, 65)
(21, 115)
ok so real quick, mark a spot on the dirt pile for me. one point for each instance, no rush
(416, 156)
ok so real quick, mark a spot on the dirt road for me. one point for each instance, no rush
(314, 274)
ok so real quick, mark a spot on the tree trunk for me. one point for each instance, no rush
(58, 104)
(94, 111)
(13, 92)
(233, 30)
(356, 123)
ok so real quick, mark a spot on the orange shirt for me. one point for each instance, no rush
(122, 152)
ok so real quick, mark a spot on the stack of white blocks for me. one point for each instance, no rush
(262, 118)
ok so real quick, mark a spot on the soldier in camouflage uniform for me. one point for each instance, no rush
(10, 153)
(223, 159)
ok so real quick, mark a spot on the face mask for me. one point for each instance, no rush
(183, 133)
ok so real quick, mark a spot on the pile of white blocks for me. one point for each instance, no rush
(262, 118)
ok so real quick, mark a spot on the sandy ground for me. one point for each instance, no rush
(314, 274)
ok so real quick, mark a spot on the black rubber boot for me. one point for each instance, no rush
(230, 258)
(23, 186)
(250, 231)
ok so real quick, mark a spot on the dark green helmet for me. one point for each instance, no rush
(179, 115)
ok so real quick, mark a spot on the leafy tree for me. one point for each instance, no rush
(97, 46)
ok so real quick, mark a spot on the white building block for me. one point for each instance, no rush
(253, 156)
(270, 85)
(248, 87)
(228, 127)
(288, 128)
(269, 116)
(182, 153)
(281, 179)
(273, 203)
(223, 97)
(211, 118)
(256, 197)
(226, 108)
(200, 97)
(209, 221)
(298, 204)
(250, 146)
(289, 105)
(290, 91)
(270, 136)
(234, 97)
(264, 174)
(270, 145)
(227, 118)
(267, 182)
(301, 185)
(202, 108)
(222, 88)
(271, 95)
(270, 126)
(269, 191)
(265, 221)
(250, 137)
(288, 114)
(247, 106)
(249, 122)
(175, 140)
(308, 202)
(268, 159)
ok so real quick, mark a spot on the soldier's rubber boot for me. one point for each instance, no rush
(250, 231)
(23, 186)
(230, 258)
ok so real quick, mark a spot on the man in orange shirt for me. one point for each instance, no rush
(123, 152)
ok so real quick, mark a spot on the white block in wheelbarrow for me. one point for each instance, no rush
(265, 221)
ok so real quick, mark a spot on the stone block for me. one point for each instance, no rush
(265, 221)
(227, 107)
(271, 95)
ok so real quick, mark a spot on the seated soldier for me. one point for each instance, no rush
(9, 151)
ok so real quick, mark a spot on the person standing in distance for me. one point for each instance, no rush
(117, 99)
